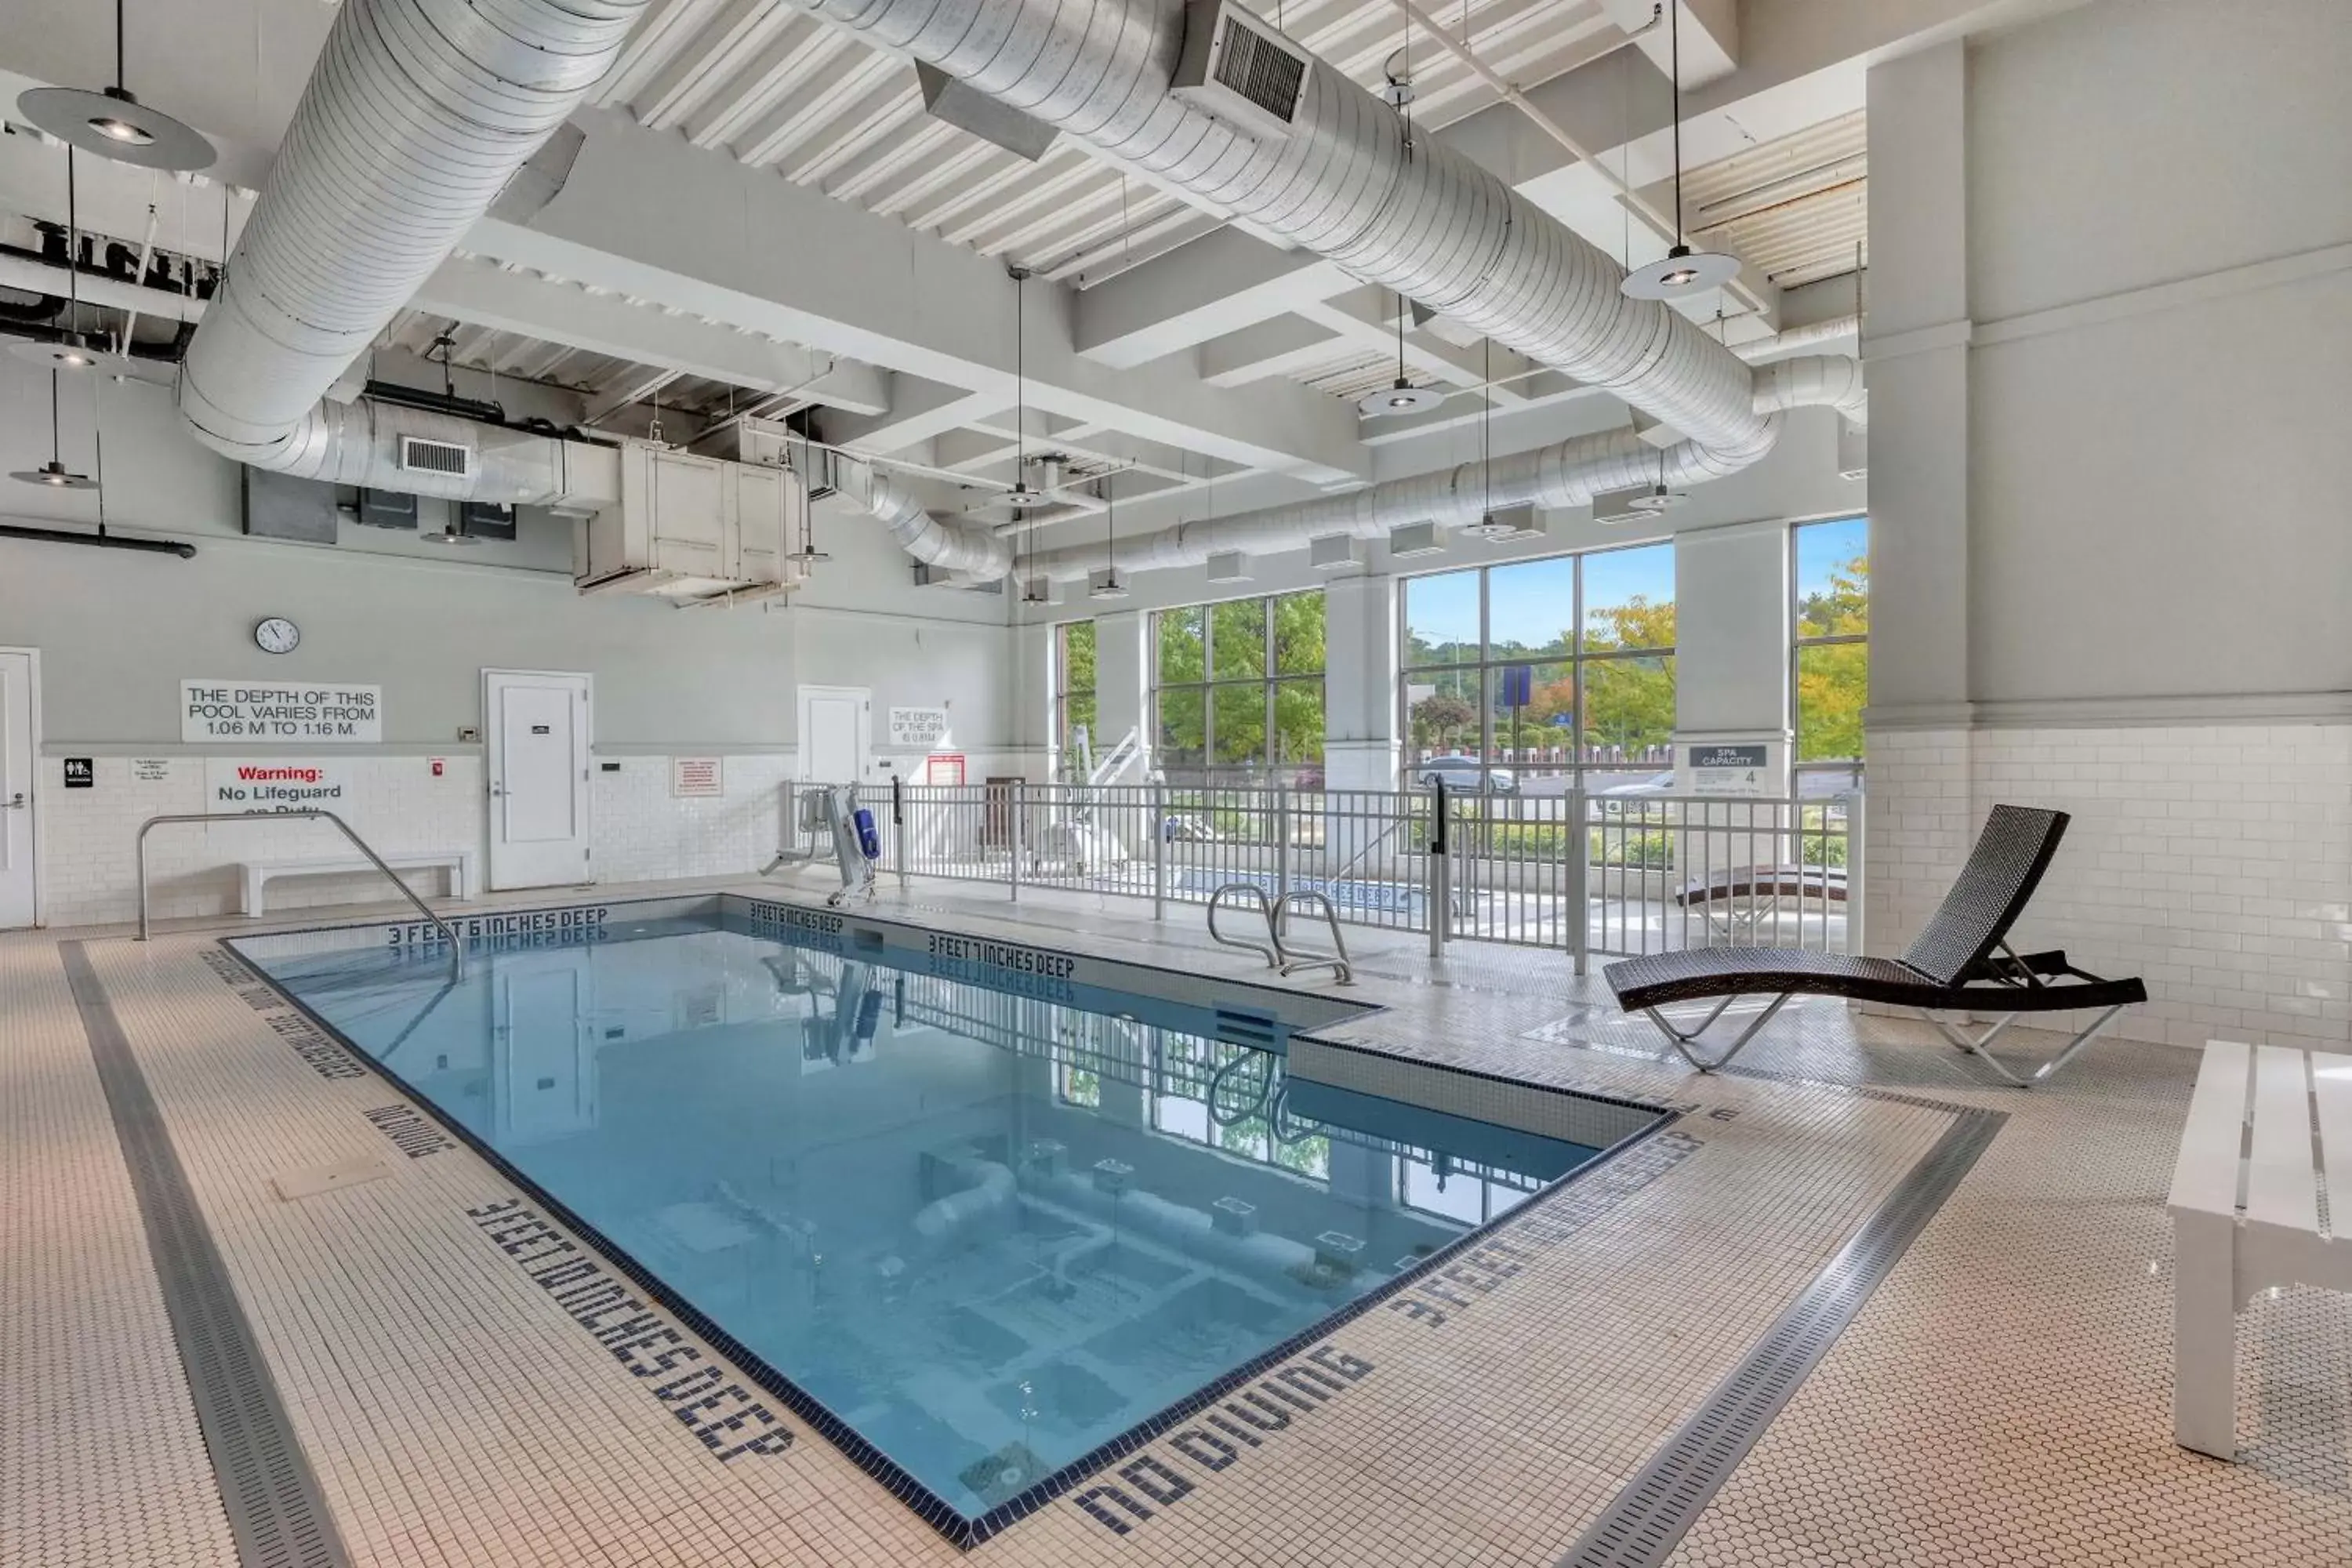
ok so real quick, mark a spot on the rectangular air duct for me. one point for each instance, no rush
(1853, 451)
(691, 529)
(1332, 552)
(1412, 539)
(1229, 566)
(486, 519)
(969, 109)
(385, 509)
(278, 506)
(1239, 69)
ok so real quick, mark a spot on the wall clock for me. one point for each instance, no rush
(276, 635)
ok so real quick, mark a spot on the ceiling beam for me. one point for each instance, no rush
(649, 215)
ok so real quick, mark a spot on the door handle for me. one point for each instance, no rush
(17, 801)
(498, 792)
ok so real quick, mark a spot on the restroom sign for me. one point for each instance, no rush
(212, 711)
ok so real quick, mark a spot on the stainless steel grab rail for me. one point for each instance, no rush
(1281, 957)
(449, 932)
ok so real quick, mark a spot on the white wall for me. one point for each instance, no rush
(2108, 478)
(119, 631)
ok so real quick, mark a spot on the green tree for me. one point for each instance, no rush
(1078, 686)
(1834, 678)
(1629, 703)
(1439, 720)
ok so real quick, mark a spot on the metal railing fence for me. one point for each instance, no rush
(1657, 873)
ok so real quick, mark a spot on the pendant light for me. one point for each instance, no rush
(115, 125)
(54, 473)
(1403, 397)
(72, 349)
(1106, 583)
(453, 532)
(1658, 498)
(1487, 527)
(1683, 272)
(1021, 497)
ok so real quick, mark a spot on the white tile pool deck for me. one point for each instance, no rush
(2001, 1398)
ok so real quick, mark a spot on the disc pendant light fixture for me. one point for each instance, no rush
(1658, 498)
(1021, 497)
(54, 473)
(1106, 583)
(71, 349)
(1403, 397)
(1682, 272)
(113, 124)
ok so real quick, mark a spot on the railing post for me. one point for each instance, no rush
(1856, 888)
(1281, 857)
(1159, 851)
(1580, 852)
(1440, 882)
(1017, 835)
(899, 827)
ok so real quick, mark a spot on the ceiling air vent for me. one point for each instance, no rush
(449, 459)
(1239, 69)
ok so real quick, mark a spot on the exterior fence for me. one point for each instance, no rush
(1655, 873)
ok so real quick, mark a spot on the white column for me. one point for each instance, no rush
(1731, 644)
(1915, 342)
(1360, 683)
(1122, 673)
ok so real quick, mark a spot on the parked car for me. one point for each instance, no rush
(1463, 774)
(1618, 798)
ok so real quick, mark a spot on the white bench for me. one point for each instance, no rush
(458, 864)
(2246, 1213)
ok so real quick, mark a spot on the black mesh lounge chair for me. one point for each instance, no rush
(1961, 964)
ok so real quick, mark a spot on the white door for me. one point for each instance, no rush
(545, 1081)
(537, 728)
(19, 744)
(836, 733)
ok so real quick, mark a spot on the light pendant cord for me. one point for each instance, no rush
(1674, 57)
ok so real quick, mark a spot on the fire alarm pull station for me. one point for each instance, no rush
(440, 765)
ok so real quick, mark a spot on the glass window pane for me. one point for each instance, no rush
(1833, 683)
(1441, 709)
(1629, 713)
(1183, 745)
(1298, 733)
(1180, 655)
(1534, 708)
(1181, 1117)
(1441, 619)
(1298, 634)
(1531, 609)
(1833, 567)
(1454, 1196)
(1076, 682)
(1629, 598)
(1247, 1136)
(1237, 727)
(1237, 638)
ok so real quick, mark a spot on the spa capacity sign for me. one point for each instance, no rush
(266, 711)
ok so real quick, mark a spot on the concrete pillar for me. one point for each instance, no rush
(1122, 674)
(1731, 643)
(1916, 336)
(1360, 683)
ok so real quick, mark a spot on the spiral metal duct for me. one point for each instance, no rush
(415, 117)
(1421, 219)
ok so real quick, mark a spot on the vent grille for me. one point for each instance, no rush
(1260, 71)
(418, 456)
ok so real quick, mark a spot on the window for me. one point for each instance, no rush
(1542, 668)
(1074, 692)
(1237, 691)
(1829, 568)
(1452, 1189)
(1193, 1073)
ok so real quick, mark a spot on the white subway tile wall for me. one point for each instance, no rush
(2213, 860)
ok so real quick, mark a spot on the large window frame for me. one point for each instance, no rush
(1827, 775)
(1229, 693)
(1075, 702)
(1582, 658)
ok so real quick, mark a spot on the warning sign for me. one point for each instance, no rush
(918, 729)
(693, 777)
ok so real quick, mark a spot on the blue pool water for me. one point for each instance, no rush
(987, 1231)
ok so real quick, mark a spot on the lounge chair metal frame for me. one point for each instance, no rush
(1962, 963)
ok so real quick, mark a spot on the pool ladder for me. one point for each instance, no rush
(1279, 955)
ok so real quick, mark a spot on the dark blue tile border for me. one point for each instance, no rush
(966, 1531)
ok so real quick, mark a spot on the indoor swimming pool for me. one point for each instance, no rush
(978, 1214)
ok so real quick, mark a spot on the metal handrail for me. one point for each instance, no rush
(1273, 955)
(447, 931)
(1297, 959)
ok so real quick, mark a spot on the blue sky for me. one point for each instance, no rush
(1532, 600)
(1826, 545)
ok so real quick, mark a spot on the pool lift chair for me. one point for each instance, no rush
(830, 810)
(1962, 963)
